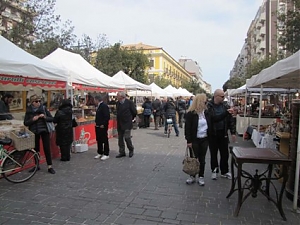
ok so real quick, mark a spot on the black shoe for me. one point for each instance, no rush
(177, 135)
(51, 170)
(130, 154)
(121, 155)
(32, 169)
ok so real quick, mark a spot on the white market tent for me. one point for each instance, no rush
(80, 71)
(155, 91)
(172, 90)
(20, 70)
(243, 89)
(130, 83)
(184, 93)
(283, 74)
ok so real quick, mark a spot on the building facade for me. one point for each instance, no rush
(162, 65)
(262, 36)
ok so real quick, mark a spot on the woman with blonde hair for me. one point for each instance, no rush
(195, 130)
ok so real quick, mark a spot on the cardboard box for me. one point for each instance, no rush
(81, 147)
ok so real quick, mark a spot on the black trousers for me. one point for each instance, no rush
(219, 143)
(46, 145)
(102, 140)
(65, 152)
(200, 146)
(147, 120)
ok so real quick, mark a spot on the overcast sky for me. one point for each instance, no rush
(211, 32)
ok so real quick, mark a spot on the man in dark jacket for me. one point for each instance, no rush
(156, 107)
(219, 122)
(170, 112)
(4, 107)
(181, 109)
(101, 127)
(126, 113)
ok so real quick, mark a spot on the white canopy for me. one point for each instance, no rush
(172, 90)
(283, 74)
(243, 89)
(155, 91)
(184, 92)
(81, 72)
(129, 82)
(17, 62)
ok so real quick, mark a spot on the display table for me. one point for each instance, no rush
(258, 182)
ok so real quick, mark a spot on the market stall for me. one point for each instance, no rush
(20, 73)
(85, 78)
(286, 74)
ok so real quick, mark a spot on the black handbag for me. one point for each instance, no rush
(190, 163)
(74, 123)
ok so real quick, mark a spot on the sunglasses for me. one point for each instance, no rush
(37, 101)
(222, 96)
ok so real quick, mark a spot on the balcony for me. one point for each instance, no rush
(262, 45)
(262, 18)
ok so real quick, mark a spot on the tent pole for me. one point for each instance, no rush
(297, 171)
(259, 113)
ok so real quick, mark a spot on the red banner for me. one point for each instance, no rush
(26, 81)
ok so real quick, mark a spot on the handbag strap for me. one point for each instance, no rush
(190, 151)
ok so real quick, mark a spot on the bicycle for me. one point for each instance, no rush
(17, 166)
(170, 125)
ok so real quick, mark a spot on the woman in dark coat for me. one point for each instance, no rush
(35, 119)
(64, 129)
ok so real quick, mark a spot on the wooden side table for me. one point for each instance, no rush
(257, 182)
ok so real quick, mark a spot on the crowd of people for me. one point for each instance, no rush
(206, 126)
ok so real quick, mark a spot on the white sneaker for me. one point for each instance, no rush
(227, 175)
(104, 157)
(190, 180)
(214, 174)
(201, 181)
(98, 156)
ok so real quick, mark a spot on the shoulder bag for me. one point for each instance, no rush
(50, 125)
(190, 163)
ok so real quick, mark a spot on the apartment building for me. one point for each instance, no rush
(162, 64)
(262, 36)
(11, 13)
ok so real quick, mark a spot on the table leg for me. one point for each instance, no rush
(279, 202)
(270, 170)
(240, 191)
(233, 180)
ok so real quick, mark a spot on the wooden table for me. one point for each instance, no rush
(257, 182)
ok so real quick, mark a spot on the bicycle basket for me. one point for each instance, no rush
(22, 142)
(169, 121)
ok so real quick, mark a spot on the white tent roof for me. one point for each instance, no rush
(16, 61)
(283, 74)
(81, 72)
(184, 92)
(155, 91)
(172, 90)
(129, 82)
(243, 89)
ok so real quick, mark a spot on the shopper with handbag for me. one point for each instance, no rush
(195, 131)
(36, 117)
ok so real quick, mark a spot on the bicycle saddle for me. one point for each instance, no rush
(5, 141)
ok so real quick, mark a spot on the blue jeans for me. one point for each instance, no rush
(174, 124)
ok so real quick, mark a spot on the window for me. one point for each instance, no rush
(151, 62)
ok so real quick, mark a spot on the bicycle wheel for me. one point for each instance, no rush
(16, 166)
(169, 131)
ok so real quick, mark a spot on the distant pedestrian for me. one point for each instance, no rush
(156, 108)
(64, 129)
(147, 106)
(170, 112)
(181, 110)
(195, 131)
(220, 121)
(101, 127)
(126, 113)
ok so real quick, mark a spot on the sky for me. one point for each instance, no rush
(210, 32)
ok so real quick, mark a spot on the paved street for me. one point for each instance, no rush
(146, 189)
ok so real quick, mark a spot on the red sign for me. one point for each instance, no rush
(26, 81)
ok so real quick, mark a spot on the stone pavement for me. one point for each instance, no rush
(146, 189)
